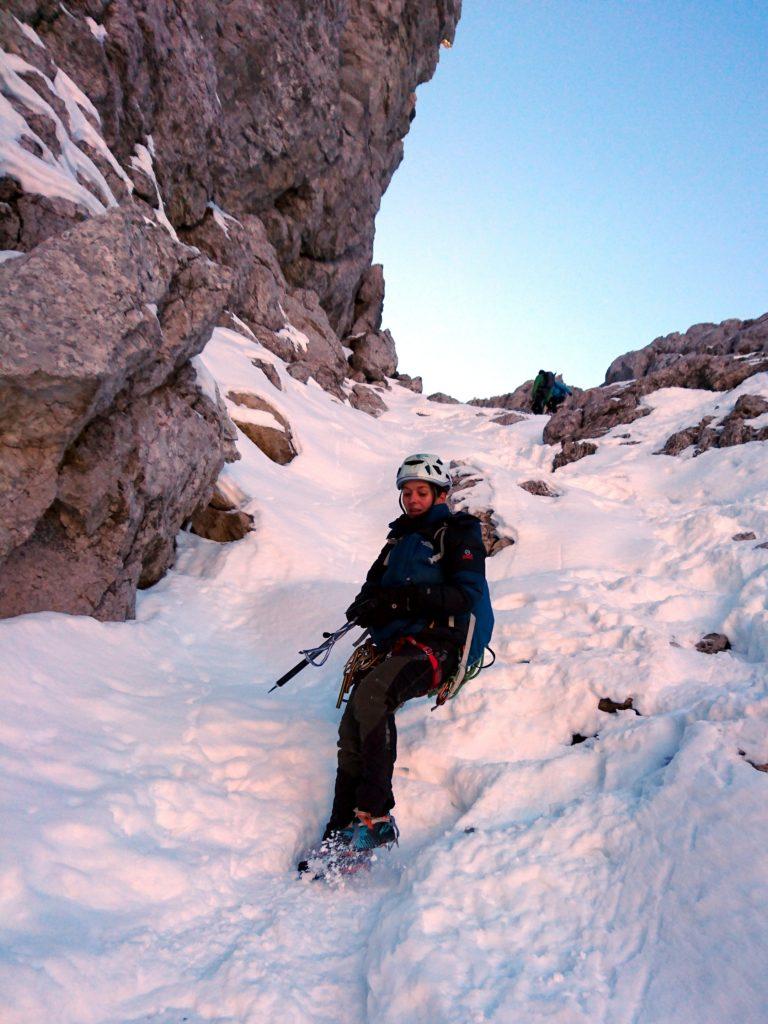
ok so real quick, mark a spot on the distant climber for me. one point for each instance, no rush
(549, 392)
(426, 605)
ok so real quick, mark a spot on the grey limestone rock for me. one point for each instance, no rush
(367, 400)
(122, 491)
(289, 322)
(729, 339)
(732, 429)
(713, 643)
(709, 357)
(683, 439)
(373, 355)
(269, 372)
(467, 495)
(749, 407)
(414, 384)
(273, 131)
(220, 520)
(276, 442)
(610, 706)
(293, 112)
(596, 411)
(369, 302)
(112, 309)
(519, 399)
(572, 451)
(442, 399)
(507, 419)
(540, 488)
(219, 525)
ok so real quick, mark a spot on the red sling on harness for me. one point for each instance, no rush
(437, 672)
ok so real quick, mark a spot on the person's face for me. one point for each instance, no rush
(418, 497)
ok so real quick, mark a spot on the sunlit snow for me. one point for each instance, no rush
(156, 797)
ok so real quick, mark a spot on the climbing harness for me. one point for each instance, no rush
(437, 672)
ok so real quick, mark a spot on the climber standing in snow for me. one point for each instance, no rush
(421, 596)
(542, 385)
(548, 393)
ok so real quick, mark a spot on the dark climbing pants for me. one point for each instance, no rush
(367, 733)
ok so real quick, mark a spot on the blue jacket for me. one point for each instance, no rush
(440, 548)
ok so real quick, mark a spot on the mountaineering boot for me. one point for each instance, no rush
(339, 836)
(370, 833)
(333, 843)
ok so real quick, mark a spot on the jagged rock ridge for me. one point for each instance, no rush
(707, 357)
(727, 340)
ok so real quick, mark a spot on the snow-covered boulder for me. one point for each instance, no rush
(732, 429)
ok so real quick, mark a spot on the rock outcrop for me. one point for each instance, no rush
(726, 341)
(610, 706)
(540, 488)
(596, 411)
(713, 643)
(295, 112)
(507, 419)
(471, 493)
(518, 400)
(733, 429)
(367, 400)
(572, 451)
(107, 442)
(708, 356)
(415, 384)
(167, 168)
(269, 430)
(221, 520)
(373, 355)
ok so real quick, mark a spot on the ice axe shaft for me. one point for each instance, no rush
(290, 673)
(316, 656)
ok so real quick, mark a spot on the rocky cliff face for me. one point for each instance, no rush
(164, 168)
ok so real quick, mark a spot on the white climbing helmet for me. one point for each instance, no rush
(422, 466)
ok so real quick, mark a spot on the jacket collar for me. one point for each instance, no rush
(412, 524)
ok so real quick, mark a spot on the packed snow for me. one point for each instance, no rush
(156, 797)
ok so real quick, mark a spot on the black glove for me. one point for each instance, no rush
(422, 600)
(378, 606)
(362, 608)
(427, 600)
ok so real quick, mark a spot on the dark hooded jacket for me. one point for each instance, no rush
(440, 556)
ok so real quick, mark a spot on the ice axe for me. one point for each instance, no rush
(316, 656)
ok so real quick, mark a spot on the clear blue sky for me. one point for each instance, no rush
(582, 176)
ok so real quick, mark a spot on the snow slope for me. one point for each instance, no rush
(155, 797)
